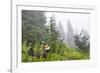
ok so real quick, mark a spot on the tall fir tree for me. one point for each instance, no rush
(70, 35)
(54, 34)
(33, 25)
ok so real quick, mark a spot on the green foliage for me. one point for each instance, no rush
(82, 41)
(62, 53)
(32, 25)
(35, 32)
(24, 52)
(54, 57)
(54, 34)
(73, 54)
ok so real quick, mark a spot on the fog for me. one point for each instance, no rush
(78, 21)
(69, 24)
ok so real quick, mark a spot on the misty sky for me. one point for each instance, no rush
(78, 21)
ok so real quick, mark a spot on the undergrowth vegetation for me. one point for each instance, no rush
(62, 53)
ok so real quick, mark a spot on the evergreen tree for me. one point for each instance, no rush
(70, 35)
(61, 31)
(54, 34)
(82, 41)
(33, 25)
